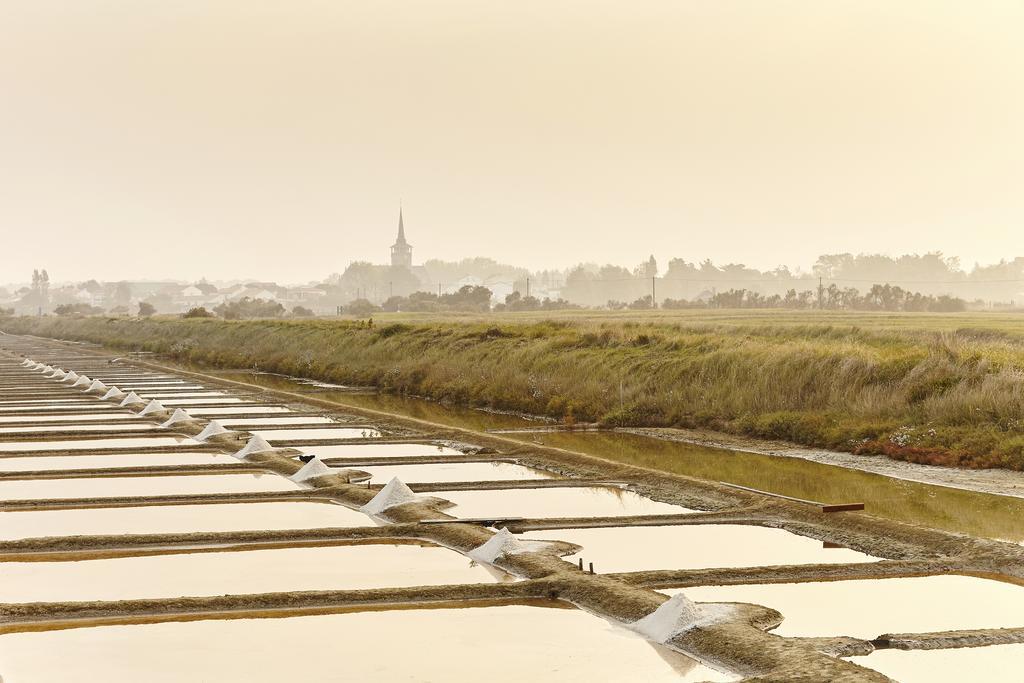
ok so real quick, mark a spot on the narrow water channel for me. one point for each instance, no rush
(939, 507)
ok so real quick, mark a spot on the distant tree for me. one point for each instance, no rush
(197, 312)
(641, 304)
(302, 312)
(647, 269)
(468, 298)
(247, 307)
(92, 286)
(146, 309)
(119, 310)
(77, 309)
(6, 312)
(361, 308)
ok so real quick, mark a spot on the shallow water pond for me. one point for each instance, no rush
(696, 546)
(298, 420)
(108, 487)
(369, 451)
(992, 664)
(70, 399)
(213, 402)
(84, 462)
(131, 427)
(216, 411)
(49, 407)
(325, 433)
(935, 506)
(178, 519)
(455, 471)
(180, 394)
(589, 501)
(88, 417)
(509, 644)
(343, 567)
(89, 444)
(867, 609)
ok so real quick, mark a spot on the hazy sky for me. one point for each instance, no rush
(274, 139)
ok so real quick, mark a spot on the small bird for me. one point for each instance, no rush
(306, 458)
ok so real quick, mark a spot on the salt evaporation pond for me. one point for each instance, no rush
(180, 394)
(584, 501)
(867, 609)
(89, 444)
(513, 643)
(119, 415)
(112, 487)
(178, 519)
(49, 407)
(325, 433)
(62, 400)
(342, 567)
(694, 546)
(297, 420)
(87, 462)
(132, 427)
(214, 411)
(227, 400)
(368, 451)
(992, 664)
(455, 471)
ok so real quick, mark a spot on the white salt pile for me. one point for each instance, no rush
(56, 372)
(179, 415)
(132, 399)
(47, 368)
(257, 444)
(504, 542)
(212, 429)
(313, 468)
(153, 406)
(113, 394)
(96, 386)
(70, 377)
(675, 616)
(394, 493)
(82, 381)
(27, 362)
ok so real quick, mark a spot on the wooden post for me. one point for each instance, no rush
(581, 564)
(591, 567)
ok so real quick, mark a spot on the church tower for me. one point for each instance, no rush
(401, 251)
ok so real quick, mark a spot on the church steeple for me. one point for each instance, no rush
(401, 251)
(401, 228)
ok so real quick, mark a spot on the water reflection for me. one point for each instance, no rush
(562, 644)
(993, 664)
(867, 609)
(589, 501)
(177, 519)
(935, 506)
(700, 546)
(342, 567)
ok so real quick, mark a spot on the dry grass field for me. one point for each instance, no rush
(934, 388)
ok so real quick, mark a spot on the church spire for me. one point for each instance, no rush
(401, 251)
(401, 227)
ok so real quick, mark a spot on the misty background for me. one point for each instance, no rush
(170, 142)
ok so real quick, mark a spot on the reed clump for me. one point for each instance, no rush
(936, 394)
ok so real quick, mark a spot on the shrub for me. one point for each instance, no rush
(77, 309)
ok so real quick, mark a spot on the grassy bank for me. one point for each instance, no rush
(934, 389)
